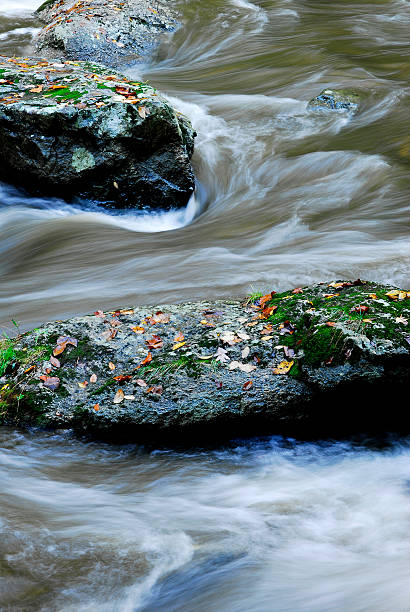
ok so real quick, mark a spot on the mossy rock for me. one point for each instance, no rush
(213, 368)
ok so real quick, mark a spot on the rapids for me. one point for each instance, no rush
(284, 197)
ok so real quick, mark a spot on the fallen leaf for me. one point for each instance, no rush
(229, 338)
(143, 111)
(30, 369)
(99, 313)
(245, 352)
(67, 340)
(373, 296)
(298, 290)
(178, 345)
(54, 362)
(266, 298)
(111, 365)
(93, 378)
(109, 334)
(401, 319)
(328, 296)
(328, 361)
(37, 89)
(266, 312)
(234, 365)
(129, 397)
(159, 317)
(218, 384)
(330, 323)
(267, 330)
(267, 337)
(247, 367)
(154, 343)
(141, 383)
(51, 382)
(397, 294)
(59, 349)
(360, 309)
(247, 385)
(221, 355)
(283, 367)
(252, 324)
(179, 337)
(96, 407)
(204, 357)
(121, 378)
(138, 329)
(115, 184)
(155, 390)
(243, 336)
(119, 397)
(83, 384)
(147, 359)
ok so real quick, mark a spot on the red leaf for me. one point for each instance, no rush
(247, 385)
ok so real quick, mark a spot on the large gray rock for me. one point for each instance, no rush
(114, 33)
(79, 129)
(329, 357)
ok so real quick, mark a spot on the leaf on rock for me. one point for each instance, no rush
(401, 319)
(143, 111)
(93, 378)
(330, 323)
(137, 329)
(155, 390)
(283, 367)
(96, 407)
(54, 362)
(245, 352)
(141, 383)
(243, 336)
(266, 298)
(99, 313)
(122, 378)
(119, 397)
(83, 384)
(234, 365)
(154, 343)
(221, 355)
(129, 397)
(51, 382)
(229, 337)
(178, 345)
(111, 365)
(179, 337)
(397, 294)
(247, 385)
(298, 290)
(360, 309)
(30, 369)
(147, 359)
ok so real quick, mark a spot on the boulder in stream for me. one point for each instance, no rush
(325, 358)
(78, 129)
(336, 100)
(112, 32)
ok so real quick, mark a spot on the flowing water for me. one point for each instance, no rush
(284, 197)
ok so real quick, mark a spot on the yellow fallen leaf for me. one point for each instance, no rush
(111, 365)
(283, 367)
(398, 294)
(267, 337)
(373, 296)
(178, 345)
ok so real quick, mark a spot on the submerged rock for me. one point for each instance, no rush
(79, 129)
(336, 100)
(326, 357)
(111, 32)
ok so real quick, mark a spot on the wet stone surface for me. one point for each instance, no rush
(83, 130)
(336, 100)
(313, 354)
(115, 33)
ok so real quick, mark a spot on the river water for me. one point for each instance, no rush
(284, 198)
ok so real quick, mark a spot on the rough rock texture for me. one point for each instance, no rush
(331, 356)
(115, 32)
(79, 129)
(336, 100)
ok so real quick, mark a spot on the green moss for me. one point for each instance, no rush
(7, 354)
(324, 343)
(65, 94)
(45, 5)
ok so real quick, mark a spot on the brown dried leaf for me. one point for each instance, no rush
(51, 382)
(247, 385)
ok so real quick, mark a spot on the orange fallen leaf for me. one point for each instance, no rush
(138, 329)
(330, 323)
(360, 309)
(96, 407)
(147, 359)
(122, 378)
(266, 298)
(155, 390)
(179, 337)
(247, 385)
(298, 290)
(155, 342)
(30, 369)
